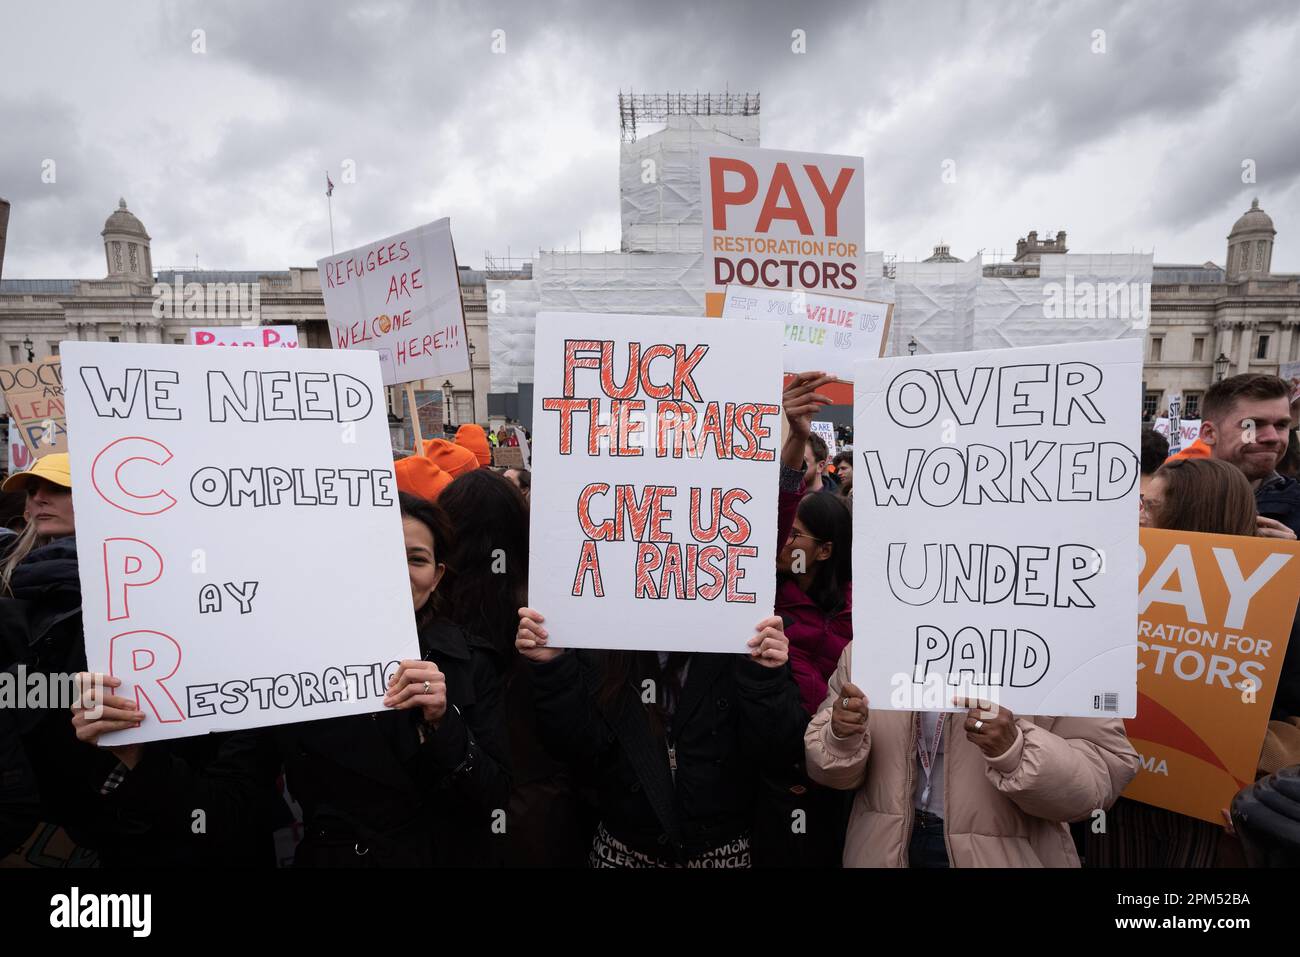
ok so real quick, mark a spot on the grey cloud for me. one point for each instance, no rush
(412, 93)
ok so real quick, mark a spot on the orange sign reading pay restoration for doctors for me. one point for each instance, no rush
(1214, 616)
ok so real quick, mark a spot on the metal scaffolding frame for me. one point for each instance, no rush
(657, 107)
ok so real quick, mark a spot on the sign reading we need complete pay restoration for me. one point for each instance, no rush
(995, 529)
(782, 220)
(239, 543)
(399, 297)
(654, 495)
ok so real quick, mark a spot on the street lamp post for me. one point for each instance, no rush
(28, 345)
(1220, 367)
(473, 394)
(446, 400)
(911, 346)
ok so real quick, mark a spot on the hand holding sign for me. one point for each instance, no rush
(989, 727)
(849, 712)
(530, 640)
(1272, 528)
(419, 684)
(96, 714)
(770, 647)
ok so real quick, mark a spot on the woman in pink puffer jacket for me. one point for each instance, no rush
(1001, 787)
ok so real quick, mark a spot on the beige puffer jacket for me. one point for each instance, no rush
(1008, 811)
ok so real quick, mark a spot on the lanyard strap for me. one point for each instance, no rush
(927, 757)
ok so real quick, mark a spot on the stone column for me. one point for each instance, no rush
(1247, 327)
(1223, 341)
(1288, 334)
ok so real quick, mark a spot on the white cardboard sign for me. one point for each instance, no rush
(238, 532)
(825, 333)
(827, 431)
(655, 481)
(264, 337)
(782, 220)
(399, 297)
(995, 529)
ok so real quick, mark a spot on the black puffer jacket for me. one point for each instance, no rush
(150, 819)
(735, 720)
(1278, 497)
(381, 790)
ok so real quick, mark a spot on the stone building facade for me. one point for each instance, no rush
(133, 303)
(1208, 321)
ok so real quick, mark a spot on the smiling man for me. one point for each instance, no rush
(1245, 421)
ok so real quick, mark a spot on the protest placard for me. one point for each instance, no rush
(823, 333)
(240, 545)
(33, 393)
(20, 456)
(827, 431)
(399, 297)
(1214, 619)
(508, 457)
(995, 528)
(524, 445)
(1174, 433)
(654, 494)
(781, 220)
(1290, 373)
(1189, 430)
(266, 337)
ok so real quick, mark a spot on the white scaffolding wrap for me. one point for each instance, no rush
(1076, 298)
(512, 316)
(659, 181)
(935, 302)
(664, 284)
(954, 307)
(875, 285)
(648, 284)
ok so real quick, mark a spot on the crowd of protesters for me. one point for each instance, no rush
(495, 749)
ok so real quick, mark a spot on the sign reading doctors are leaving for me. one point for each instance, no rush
(995, 529)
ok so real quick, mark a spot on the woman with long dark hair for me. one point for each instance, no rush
(814, 594)
(814, 598)
(487, 561)
(487, 580)
(426, 782)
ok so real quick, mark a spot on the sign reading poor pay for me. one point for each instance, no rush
(653, 515)
(995, 529)
(240, 548)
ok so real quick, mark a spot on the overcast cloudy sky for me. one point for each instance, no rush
(222, 153)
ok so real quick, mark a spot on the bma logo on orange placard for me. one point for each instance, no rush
(1214, 617)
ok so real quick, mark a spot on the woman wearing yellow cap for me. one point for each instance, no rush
(48, 484)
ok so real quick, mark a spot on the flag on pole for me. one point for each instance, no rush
(329, 186)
